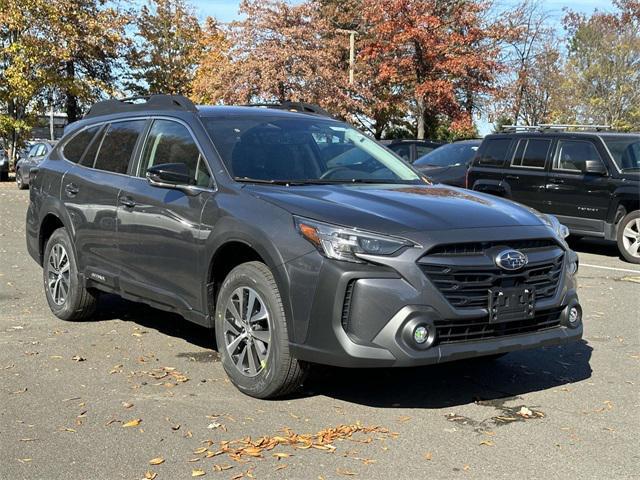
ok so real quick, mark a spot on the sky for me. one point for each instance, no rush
(227, 11)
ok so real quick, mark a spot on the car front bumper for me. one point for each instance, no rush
(364, 315)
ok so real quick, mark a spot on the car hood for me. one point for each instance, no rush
(397, 209)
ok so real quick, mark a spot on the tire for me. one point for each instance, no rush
(263, 337)
(78, 303)
(19, 181)
(628, 237)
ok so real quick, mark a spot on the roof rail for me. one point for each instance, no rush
(300, 107)
(552, 126)
(140, 103)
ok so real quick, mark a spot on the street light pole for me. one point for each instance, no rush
(352, 51)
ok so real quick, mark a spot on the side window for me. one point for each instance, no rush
(495, 152)
(117, 146)
(33, 151)
(422, 150)
(75, 147)
(531, 153)
(572, 154)
(171, 142)
(402, 149)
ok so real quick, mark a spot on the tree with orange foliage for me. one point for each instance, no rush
(442, 52)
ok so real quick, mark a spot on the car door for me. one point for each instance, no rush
(32, 160)
(159, 227)
(578, 198)
(90, 191)
(527, 174)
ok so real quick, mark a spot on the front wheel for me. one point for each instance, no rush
(629, 237)
(251, 333)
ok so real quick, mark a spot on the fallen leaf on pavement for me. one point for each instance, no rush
(428, 456)
(132, 423)
(197, 473)
(78, 358)
(221, 468)
(488, 443)
(149, 475)
(156, 461)
(281, 455)
(344, 471)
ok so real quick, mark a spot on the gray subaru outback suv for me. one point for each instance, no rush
(298, 239)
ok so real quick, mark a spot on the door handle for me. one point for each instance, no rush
(512, 177)
(127, 202)
(71, 189)
(558, 181)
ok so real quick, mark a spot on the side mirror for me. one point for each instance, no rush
(595, 167)
(169, 175)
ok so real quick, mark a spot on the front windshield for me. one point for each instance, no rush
(449, 155)
(625, 151)
(306, 150)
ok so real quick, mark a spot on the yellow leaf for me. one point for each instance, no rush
(197, 473)
(132, 423)
(149, 475)
(343, 471)
(488, 443)
(428, 456)
(281, 455)
(156, 461)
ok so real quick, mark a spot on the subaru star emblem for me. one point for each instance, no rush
(511, 260)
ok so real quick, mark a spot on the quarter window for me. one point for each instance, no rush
(171, 142)
(75, 147)
(571, 155)
(117, 146)
(531, 153)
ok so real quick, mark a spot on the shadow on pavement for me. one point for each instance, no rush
(457, 383)
(594, 245)
(437, 386)
(112, 307)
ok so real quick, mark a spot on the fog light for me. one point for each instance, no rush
(574, 315)
(421, 334)
(573, 268)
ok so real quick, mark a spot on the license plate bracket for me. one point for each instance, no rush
(511, 304)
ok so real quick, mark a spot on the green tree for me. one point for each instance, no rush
(167, 49)
(602, 79)
(85, 41)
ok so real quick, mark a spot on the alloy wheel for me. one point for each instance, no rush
(58, 274)
(247, 331)
(631, 237)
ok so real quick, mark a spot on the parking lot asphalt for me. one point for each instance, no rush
(100, 399)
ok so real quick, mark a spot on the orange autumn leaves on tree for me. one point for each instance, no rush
(440, 51)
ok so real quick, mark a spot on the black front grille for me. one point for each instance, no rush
(464, 330)
(466, 278)
(478, 248)
(346, 306)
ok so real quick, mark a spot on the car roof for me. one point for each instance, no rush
(245, 111)
(550, 133)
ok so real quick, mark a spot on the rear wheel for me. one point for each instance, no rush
(251, 333)
(67, 298)
(629, 237)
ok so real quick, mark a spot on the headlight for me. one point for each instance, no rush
(345, 243)
(559, 229)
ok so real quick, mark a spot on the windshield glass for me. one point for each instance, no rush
(625, 151)
(449, 155)
(305, 150)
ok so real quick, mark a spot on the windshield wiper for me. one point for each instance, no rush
(630, 169)
(265, 181)
(321, 181)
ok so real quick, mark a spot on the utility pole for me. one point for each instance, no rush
(352, 51)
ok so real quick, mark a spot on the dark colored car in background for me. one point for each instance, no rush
(4, 166)
(412, 149)
(589, 180)
(449, 163)
(38, 151)
(253, 221)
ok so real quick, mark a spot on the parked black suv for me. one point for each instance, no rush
(251, 220)
(589, 180)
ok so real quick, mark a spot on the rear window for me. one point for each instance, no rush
(531, 153)
(75, 147)
(117, 146)
(495, 152)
